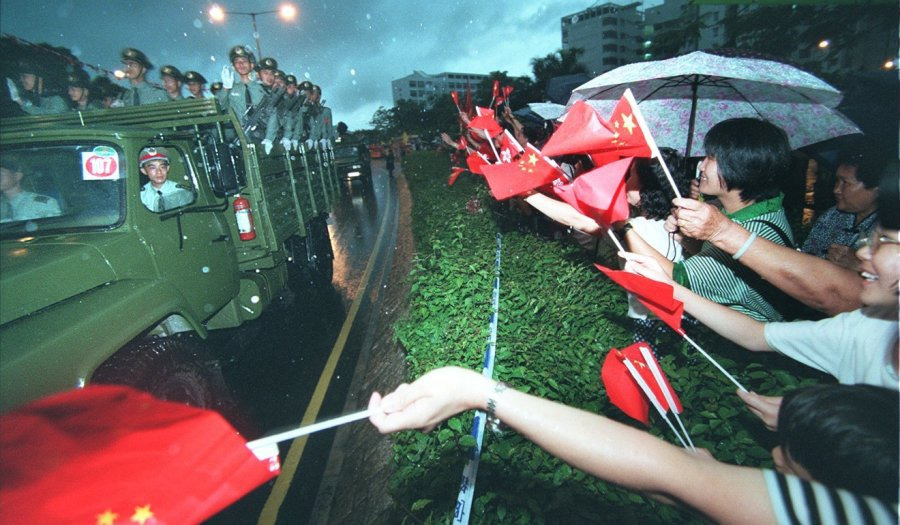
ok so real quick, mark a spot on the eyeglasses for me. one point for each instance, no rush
(874, 240)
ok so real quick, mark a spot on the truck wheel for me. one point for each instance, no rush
(172, 368)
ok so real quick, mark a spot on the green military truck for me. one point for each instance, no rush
(96, 287)
(351, 159)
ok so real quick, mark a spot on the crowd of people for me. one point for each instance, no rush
(272, 105)
(728, 251)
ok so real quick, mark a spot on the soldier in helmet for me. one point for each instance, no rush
(195, 83)
(248, 93)
(172, 80)
(30, 95)
(321, 126)
(80, 91)
(141, 92)
(290, 112)
(215, 88)
(16, 203)
(107, 93)
(302, 125)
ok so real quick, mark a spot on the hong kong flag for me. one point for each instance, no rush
(657, 296)
(509, 147)
(623, 389)
(599, 193)
(110, 454)
(509, 179)
(583, 131)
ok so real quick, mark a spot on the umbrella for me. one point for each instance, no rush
(110, 454)
(681, 98)
(542, 111)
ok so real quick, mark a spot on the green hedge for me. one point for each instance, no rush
(558, 317)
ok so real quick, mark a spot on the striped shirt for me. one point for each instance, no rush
(799, 502)
(715, 275)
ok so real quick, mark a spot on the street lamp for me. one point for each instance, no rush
(286, 12)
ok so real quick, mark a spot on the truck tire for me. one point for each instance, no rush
(175, 368)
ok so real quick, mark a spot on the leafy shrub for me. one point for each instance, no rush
(558, 316)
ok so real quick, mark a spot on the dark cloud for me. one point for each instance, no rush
(352, 48)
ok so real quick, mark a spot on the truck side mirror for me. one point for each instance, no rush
(225, 166)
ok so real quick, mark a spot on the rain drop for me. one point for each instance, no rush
(353, 81)
(352, 71)
(368, 16)
(197, 23)
(205, 269)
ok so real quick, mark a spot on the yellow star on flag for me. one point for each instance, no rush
(628, 122)
(532, 159)
(142, 514)
(107, 518)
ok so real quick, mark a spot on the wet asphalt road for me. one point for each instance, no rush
(272, 365)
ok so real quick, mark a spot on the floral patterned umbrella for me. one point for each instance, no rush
(682, 97)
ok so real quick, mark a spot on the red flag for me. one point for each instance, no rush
(485, 122)
(455, 96)
(475, 161)
(495, 90)
(454, 174)
(624, 391)
(469, 108)
(509, 147)
(583, 131)
(513, 178)
(507, 91)
(599, 193)
(109, 453)
(631, 137)
(462, 143)
(484, 112)
(657, 296)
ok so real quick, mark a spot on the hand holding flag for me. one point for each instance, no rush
(509, 179)
(582, 132)
(599, 193)
(455, 96)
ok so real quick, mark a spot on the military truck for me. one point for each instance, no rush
(351, 159)
(102, 289)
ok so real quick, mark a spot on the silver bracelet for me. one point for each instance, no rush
(492, 420)
(740, 253)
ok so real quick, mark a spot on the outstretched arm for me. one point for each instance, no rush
(593, 443)
(815, 282)
(563, 213)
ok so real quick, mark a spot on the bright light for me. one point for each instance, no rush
(119, 74)
(824, 44)
(888, 64)
(287, 12)
(216, 13)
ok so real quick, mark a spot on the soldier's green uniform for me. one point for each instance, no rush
(35, 103)
(172, 74)
(301, 124)
(27, 206)
(321, 125)
(243, 97)
(79, 80)
(141, 93)
(196, 81)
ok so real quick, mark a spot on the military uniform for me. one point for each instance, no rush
(243, 97)
(26, 205)
(191, 77)
(167, 197)
(80, 79)
(142, 93)
(175, 73)
(39, 105)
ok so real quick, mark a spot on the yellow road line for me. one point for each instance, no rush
(292, 460)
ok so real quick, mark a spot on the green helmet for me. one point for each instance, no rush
(240, 51)
(193, 76)
(136, 55)
(78, 78)
(171, 71)
(291, 79)
(268, 63)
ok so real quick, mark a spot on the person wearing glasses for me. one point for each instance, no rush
(855, 211)
(860, 346)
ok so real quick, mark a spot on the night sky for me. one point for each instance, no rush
(352, 48)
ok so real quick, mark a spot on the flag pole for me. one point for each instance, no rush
(649, 393)
(711, 360)
(657, 375)
(308, 429)
(654, 149)
(615, 240)
(491, 142)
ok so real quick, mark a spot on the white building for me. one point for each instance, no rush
(422, 87)
(611, 35)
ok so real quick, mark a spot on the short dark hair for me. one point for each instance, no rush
(889, 196)
(656, 192)
(845, 436)
(11, 162)
(866, 158)
(753, 155)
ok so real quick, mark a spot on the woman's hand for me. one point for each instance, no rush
(765, 407)
(646, 266)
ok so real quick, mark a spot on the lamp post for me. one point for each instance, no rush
(286, 12)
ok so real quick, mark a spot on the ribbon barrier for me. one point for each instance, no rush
(467, 486)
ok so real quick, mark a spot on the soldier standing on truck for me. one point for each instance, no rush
(195, 83)
(172, 80)
(17, 204)
(141, 92)
(80, 93)
(32, 97)
(161, 194)
(321, 126)
(243, 96)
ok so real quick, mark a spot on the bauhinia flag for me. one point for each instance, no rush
(583, 131)
(509, 147)
(599, 193)
(657, 296)
(110, 454)
(509, 179)
(623, 389)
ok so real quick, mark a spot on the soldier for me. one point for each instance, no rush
(287, 108)
(107, 93)
(32, 97)
(301, 124)
(215, 88)
(17, 204)
(195, 82)
(80, 92)
(161, 194)
(141, 92)
(321, 128)
(245, 95)
(171, 79)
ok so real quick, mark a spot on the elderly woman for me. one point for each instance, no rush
(745, 160)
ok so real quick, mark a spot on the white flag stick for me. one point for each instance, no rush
(308, 429)
(615, 240)
(491, 142)
(649, 393)
(711, 360)
(654, 149)
(657, 375)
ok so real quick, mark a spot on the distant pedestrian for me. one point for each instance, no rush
(389, 160)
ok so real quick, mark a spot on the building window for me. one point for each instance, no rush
(609, 21)
(610, 34)
(610, 48)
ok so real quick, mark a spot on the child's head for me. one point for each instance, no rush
(845, 436)
(648, 189)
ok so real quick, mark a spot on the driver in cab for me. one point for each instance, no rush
(161, 194)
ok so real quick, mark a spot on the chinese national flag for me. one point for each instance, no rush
(507, 91)
(454, 174)
(484, 112)
(599, 193)
(624, 391)
(582, 132)
(487, 123)
(509, 147)
(475, 161)
(631, 136)
(657, 296)
(455, 96)
(514, 178)
(112, 454)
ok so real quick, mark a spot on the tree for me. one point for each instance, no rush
(556, 64)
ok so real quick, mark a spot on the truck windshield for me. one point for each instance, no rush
(48, 188)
